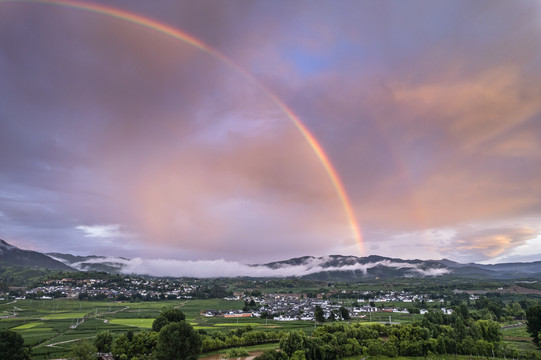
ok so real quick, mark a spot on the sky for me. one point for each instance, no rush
(117, 139)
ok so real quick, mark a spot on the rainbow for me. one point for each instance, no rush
(184, 37)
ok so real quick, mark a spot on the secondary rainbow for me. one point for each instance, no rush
(177, 34)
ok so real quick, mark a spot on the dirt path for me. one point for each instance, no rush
(513, 326)
(252, 355)
(180, 305)
(67, 341)
(114, 312)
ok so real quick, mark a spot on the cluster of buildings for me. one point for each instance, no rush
(277, 306)
(125, 289)
(290, 307)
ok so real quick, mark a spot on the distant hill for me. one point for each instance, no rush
(352, 268)
(519, 268)
(326, 268)
(91, 262)
(13, 256)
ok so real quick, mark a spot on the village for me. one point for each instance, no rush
(274, 306)
(292, 307)
(127, 289)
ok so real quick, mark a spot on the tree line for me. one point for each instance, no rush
(436, 334)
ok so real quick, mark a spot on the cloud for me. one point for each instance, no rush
(429, 147)
(489, 243)
(219, 268)
(112, 123)
(181, 152)
(475, 110)
(103, 231)
(226, 268)
(431, 272)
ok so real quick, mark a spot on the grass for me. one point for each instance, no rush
(25, 326)
(516, 332)
(45, 322)
(41, 329)
(518, 338)
(140, 323)
(67, 315)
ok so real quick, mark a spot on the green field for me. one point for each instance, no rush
(46, 324)
(519, 338)
(66, 315)
(140, 323)
(25, 326)
(516, 332)
(236, 325)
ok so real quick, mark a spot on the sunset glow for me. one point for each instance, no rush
(165, 131)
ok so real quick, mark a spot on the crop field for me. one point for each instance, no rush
(64, 315)
(140, 323)
(518, 338)
(51, 327)
(25, 326)
(519, 331)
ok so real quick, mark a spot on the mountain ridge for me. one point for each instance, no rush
(331, 267)
(91, 262)
(13, 256)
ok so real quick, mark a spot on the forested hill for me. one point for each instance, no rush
(351, 268)
(13, 256)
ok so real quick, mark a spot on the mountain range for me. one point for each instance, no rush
(13, 256)
(332, 268)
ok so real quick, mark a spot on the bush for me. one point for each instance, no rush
(236, 352)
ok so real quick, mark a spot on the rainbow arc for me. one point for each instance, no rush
(187, 38)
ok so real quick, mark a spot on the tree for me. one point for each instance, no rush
(293, 342)
(104, 341)
(463, 312)
(178, 340)
(134, 345)
(236, 353)
(490, 330)
(121, 346)
(166, 317)
(459, 329)
(515, 310)
(319, 314)
(83, 350)
(144, 343)
(332, 317)
(344, 313)
(12, 346)
(533, 323)
(298, 355)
